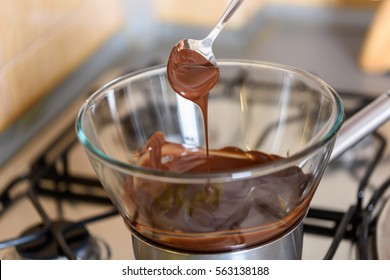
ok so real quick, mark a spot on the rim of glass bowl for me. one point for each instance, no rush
(216, 177)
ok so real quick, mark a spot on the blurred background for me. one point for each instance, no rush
(52, 51)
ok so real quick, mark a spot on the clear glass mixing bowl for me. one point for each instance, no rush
(255, 106)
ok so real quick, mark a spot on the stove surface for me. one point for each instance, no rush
(58, 184)
(299, 37)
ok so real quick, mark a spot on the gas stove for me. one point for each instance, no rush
(59, 210)
(53, 207)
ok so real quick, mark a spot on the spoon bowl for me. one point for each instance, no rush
(190, 74)
(192, 66)
(204, 46)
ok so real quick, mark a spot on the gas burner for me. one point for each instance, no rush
(53, 181)
(51, 241)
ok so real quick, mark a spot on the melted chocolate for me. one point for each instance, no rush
(190, 74)
(213, 216)
(161, 155)
(210, 216)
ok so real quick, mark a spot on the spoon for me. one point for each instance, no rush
(204, 47)
(192, 66)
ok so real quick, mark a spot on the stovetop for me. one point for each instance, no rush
(49, 191)
(58, 208)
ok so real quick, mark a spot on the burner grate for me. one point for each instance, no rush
(49, 176)
(357, 223)
(46, 178)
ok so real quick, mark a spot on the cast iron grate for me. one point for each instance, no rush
(49, 176)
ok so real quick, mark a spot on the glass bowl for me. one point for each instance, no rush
(289, 114)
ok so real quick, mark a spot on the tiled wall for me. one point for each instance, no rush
(42, 41)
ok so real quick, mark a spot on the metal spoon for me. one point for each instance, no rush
(204, 47)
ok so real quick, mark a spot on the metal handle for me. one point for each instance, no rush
(362, 123)
(229, 12)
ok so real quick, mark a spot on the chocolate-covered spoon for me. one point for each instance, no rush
(192, 67)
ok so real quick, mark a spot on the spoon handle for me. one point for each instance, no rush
(362, 124)
(229, 12)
